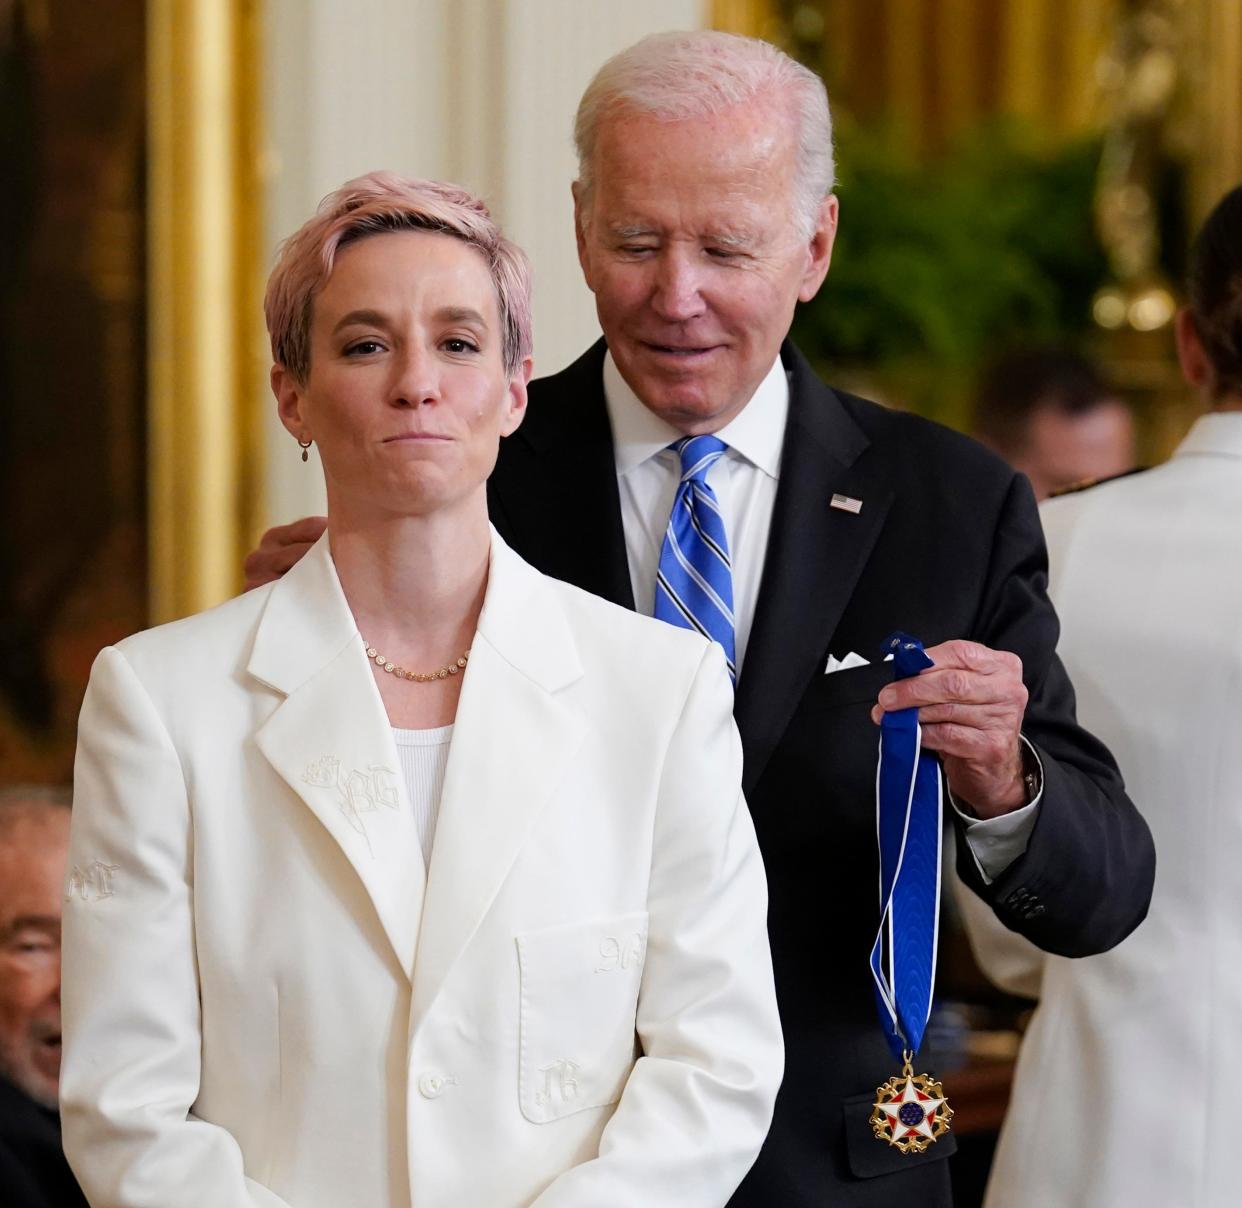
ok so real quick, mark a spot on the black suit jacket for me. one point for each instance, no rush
(947, 545)
(33, 1169)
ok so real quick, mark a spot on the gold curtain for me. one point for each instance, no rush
(941, 65)
(754, 18)
(1216, 164)
(204, 280)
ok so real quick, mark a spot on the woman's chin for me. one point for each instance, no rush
(408, 486)
(423, 496)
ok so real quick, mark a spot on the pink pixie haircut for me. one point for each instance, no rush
(375, 204)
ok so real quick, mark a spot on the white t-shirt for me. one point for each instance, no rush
(424, 756)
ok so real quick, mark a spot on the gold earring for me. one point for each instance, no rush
(304, 445)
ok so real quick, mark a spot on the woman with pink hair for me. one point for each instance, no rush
(416, 877)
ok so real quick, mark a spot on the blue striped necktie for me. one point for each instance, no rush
(694, 582)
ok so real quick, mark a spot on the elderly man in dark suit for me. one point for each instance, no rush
(704, 212)
(34, 841)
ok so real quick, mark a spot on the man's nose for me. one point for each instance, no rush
(416, 379)
(677, 295)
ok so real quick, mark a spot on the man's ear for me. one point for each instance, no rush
(819, 249)
(289, 403)
(1191, 355)
(580, 225)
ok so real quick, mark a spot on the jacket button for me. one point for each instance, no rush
(1036, 911)
(431, 1086)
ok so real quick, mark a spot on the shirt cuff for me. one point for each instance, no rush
(995, 843)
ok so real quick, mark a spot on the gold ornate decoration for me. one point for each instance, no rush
(418, 677)
(911, 1111)
(1141, 82)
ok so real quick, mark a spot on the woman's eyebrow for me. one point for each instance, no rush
(460, 314)
(363, 318)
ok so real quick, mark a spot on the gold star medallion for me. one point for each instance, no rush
(910, 1111)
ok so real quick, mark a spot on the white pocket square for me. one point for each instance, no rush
(850, 660)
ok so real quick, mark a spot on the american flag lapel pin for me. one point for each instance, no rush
(846, 503)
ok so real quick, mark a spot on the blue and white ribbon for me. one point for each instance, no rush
(909, 811)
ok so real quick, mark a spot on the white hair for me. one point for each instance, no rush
(676, 76)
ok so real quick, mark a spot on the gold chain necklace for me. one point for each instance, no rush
(419, 677)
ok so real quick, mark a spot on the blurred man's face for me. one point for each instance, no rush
(32, 870)
(1064, 450)
(690, 242)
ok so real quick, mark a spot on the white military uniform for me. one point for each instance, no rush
(1129, 1084)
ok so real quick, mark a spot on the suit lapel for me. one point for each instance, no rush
(554, 492)
(331, 741)
(814, 558)
(511, 743)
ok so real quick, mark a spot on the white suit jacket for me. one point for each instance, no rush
(267, 1002)
(1128, 1079)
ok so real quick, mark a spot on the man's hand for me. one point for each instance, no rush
(280, 548)
(970, 705)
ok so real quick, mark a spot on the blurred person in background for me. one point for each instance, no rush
(1127, 1082)
(1049, 413)
(34, 841)
(704, 212)
(466, 912)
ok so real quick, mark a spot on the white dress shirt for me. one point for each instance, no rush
(744, 481)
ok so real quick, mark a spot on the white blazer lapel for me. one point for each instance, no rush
(331, 741)
(511, 741)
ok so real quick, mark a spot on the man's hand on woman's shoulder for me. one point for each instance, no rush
(280, 548)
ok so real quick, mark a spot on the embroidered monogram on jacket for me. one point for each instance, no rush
(91, 883)
(558, 1082)
(358, 793)
(624, 953)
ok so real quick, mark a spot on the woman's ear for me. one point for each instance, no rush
(289, 403)
(515, 398)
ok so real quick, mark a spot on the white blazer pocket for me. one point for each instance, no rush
(579, 998)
